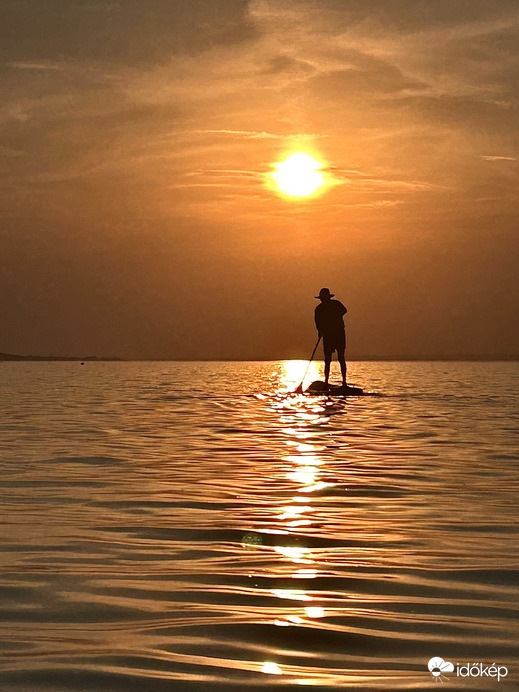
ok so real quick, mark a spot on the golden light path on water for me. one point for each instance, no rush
(302, 458)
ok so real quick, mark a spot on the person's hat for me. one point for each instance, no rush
(325, 293)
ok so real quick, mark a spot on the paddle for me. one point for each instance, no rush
(299, 390)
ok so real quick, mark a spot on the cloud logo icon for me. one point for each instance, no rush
(438, 667)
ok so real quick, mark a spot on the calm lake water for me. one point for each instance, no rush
(194, 526)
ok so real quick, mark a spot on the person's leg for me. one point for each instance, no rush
(341, 349)
(328, 351)
(327, 362)
(342, 360)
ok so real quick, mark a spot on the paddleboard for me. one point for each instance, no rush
(319, 388)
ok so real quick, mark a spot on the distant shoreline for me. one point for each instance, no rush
(11, 357)
(7, 357)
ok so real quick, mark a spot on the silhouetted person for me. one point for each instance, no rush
(330, 325)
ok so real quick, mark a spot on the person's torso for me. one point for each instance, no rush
(329, 316)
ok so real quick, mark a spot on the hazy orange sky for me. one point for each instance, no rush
(136, 138)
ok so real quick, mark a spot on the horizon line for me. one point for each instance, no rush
(11, 357)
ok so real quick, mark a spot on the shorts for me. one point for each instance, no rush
(334, 342)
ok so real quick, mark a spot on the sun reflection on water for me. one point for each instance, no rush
(295, 554)
(271, 668)
(292, 594)
(292, 373)
(302, 425)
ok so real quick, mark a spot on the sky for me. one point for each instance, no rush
(137, 140)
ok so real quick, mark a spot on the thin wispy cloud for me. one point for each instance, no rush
(364, 180)
(45, 66)
(498, 158)
(377, 204)
(262, 135)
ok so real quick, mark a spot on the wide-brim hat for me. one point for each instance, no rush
(325, 293)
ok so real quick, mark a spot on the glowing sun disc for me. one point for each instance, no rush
(299, 175)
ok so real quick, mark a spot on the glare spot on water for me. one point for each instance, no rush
(304, 447)
(308, 682)
(295, 619)
(306, 459)
(314, 612)
(293, 371)
(291, 594)
(294, 553)
(305, 574)
(294, 511)
(317, 486)
(305, 475)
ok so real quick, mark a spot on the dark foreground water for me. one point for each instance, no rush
(184, 526)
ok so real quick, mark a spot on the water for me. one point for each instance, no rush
(191, 526)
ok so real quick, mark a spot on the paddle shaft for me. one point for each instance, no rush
(300, 388)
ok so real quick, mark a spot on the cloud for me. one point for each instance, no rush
(377, 204)
(220, 178)
(498, 158)
(34, 66)
(260, 135)
(135, 137)
(129, 32)
(287, 65)
(402, 16)
(178, 83)
(377, 79)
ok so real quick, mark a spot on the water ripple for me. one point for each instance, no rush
(203, 527)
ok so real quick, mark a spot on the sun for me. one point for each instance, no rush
(299, 175)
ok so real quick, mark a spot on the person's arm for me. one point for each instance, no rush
(344, 310)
